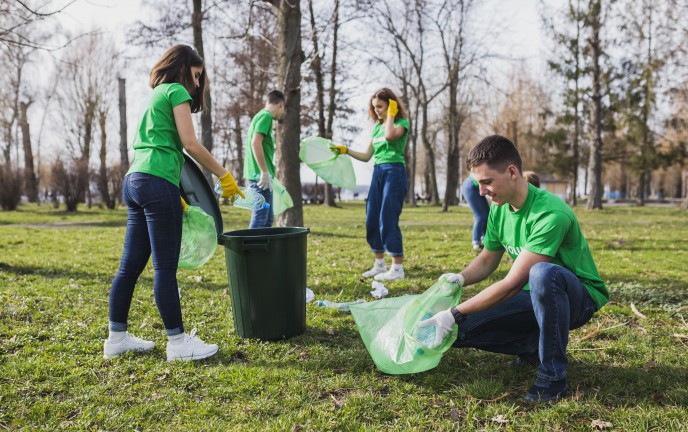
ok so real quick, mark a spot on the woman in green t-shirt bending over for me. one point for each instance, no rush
(151, 192)
(388, 186)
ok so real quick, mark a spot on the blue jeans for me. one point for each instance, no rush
(262, 218)
(479, 207)
(532, 321)
(154, 226)
(383, 208)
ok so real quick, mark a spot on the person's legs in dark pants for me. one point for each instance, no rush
(479, 207)
(262, 218)
(506, 328)
(560, 303)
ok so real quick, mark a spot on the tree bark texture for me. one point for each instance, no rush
(595, 164)
(123, 152)
(206, 114)
(30, 183)
(289, 133)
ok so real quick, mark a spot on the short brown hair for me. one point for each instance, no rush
(386, 94)
(175, 67)
(275, 97)
(497, 152)
(532, 178)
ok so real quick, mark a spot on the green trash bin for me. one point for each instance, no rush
(266, 270)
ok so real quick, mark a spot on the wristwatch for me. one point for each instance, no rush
(458, 316)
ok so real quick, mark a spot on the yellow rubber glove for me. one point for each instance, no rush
(340, 149)
(184, 204)
(229, 187)
(393, 108)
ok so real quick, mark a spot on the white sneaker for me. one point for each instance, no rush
(376, 270)
(189, 348)
(127, 343)
(390, 275)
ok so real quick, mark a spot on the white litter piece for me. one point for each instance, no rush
(310, 296)
(379, 290)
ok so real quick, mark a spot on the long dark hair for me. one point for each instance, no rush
(175, 67)
(386, 94)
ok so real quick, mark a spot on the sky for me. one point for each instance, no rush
(515, 24)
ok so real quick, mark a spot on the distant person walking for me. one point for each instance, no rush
(259, 166)
(151, 192)
(480, 208)
(388, 186)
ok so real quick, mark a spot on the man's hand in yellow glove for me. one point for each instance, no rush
(393, 108)
(229, 187)
(340, 149)
(184, 204)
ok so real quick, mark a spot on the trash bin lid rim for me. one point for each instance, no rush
(278, 232)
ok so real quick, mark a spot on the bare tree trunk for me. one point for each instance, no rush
(206, 114)
(123, 153)
(595, 165)
(329, 133)
(30, 184)
(429, 155)
(102, 171)
(289, 133)
(316, 67)
(238, 167)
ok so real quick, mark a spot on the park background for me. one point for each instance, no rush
(593, 93)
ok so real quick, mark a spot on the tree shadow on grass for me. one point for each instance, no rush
(63, 273)
(314, 233)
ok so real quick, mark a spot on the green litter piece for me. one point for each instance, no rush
(199, 238)
(390, 332)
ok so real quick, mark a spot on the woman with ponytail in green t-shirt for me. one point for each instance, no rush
(389, 184)
(151, 192)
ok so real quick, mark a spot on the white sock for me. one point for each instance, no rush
(116, 336)
(175, 339)
(380, 262)
(397, 267)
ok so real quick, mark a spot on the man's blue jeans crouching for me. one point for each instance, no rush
(533, 322)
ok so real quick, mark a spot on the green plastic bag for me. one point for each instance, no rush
(199, 238)
(336, 169)
(281, 200)
(390, 332)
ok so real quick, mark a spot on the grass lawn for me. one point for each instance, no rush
(627, 372)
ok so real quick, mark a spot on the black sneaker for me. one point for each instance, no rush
(544, 391)
(528, 359)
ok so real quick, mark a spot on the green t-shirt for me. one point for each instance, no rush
(262, 124)
(157, 146)
(389, 151)
(545, 225)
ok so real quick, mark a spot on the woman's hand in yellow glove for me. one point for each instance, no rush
(229, 187)
(393, 108)
(339, 149)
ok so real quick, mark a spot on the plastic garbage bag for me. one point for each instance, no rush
(390, 332)
(334, 168)
(199, 238)
(281, 200)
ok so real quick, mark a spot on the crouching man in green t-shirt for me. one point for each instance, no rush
(552, 287)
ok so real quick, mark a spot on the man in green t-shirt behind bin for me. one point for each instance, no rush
(259, 165)
(552, 287)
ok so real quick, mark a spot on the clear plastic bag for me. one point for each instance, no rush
(199, 238)
(390, 332)
(336, 169)
(281, 200)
